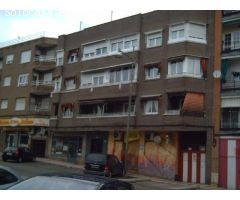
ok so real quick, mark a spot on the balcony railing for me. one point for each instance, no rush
(37, 108)
(234, 45)
(45, 58)
(231, 84)
(116, 114)
(230, 125)
(42, 83)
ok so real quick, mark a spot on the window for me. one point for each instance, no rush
(9, 59)
(25, 56)
(188, 66)
(176, 67)
(20, 104)
(177, 32)
(116, 46)
(193, 32)
(151, 107)
(98, 80)
(67, 110)
(125, 43)
(7, 81)
(57, 84)
(23, 79)
(60, 56)
(73, 55)
(70, 83)
(152, 72)
(101, 51)
(4, 104)
(154, 39)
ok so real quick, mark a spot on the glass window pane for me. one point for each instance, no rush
(127, 45)
(174, 35)
(114, 47)
(181, 33)
(118, 76)
(125, 74)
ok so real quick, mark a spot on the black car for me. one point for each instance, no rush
(8, 177)
(58, 181)
(103, 164)
(19, 154)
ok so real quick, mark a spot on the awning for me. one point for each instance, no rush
(193, 104)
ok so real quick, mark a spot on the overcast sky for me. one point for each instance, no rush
(55, 17)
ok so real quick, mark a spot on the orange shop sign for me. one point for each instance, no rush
(24, 122)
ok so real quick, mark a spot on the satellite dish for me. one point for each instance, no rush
(217, 74)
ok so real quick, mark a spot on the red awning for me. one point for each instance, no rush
(193, 104)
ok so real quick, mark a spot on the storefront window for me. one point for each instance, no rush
(67, 146)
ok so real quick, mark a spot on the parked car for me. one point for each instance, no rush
(103, 164)
(8, 177)
(19, 154)
(57, 181)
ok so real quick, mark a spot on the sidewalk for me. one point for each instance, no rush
(134, 177)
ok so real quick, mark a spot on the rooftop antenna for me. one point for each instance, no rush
(111, 15)
(80, 25)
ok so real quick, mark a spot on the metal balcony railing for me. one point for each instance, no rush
(231, 84)
(37, 108)
(117, 114)
(234, 45)
(45, 58)
(42, 83)
(230, 125)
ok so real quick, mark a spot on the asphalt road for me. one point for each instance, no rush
(28, 169)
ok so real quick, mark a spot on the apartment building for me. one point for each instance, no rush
(166, 66)
(26, 67)
(229, 135)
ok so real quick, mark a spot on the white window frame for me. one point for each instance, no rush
(187, 29)
(60, 57)
(7, 81)
(9, 59)
(153, 36)
(22, 105)
(148, 104)
(23, 80)
(4, 104)
(57, 84)
(69, 85)
(188, 70)
(98, 77)
(25, 56)
(150, 72)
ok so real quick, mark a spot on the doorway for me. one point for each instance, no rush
(38, 147)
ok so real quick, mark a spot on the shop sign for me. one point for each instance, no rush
(13, 122)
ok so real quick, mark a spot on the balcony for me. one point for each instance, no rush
(45, 58)
(231, 17)
(38, 109)
(231, 84)
(44, 63)
(230, 125)
(42, 87)
(233, 46)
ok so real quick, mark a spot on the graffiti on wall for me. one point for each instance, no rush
(158, 160)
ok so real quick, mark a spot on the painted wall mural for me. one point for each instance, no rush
(158, 160)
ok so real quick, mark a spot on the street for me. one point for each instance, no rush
(28, 169)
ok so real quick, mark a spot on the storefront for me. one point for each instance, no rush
(21, 131)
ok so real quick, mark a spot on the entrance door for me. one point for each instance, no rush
(96, 145)
(192, 166)
(38, 147)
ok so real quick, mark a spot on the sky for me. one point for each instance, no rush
(57, 17)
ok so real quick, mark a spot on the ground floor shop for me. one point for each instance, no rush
(28, 132)
(173, 155)
(73, 146)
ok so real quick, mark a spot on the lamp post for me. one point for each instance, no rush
(121, 53)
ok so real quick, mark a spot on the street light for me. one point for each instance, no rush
(120, 55)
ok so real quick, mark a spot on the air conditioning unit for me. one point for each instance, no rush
(118, 135)
(149, 137)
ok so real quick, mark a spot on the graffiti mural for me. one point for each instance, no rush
(158, 160)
